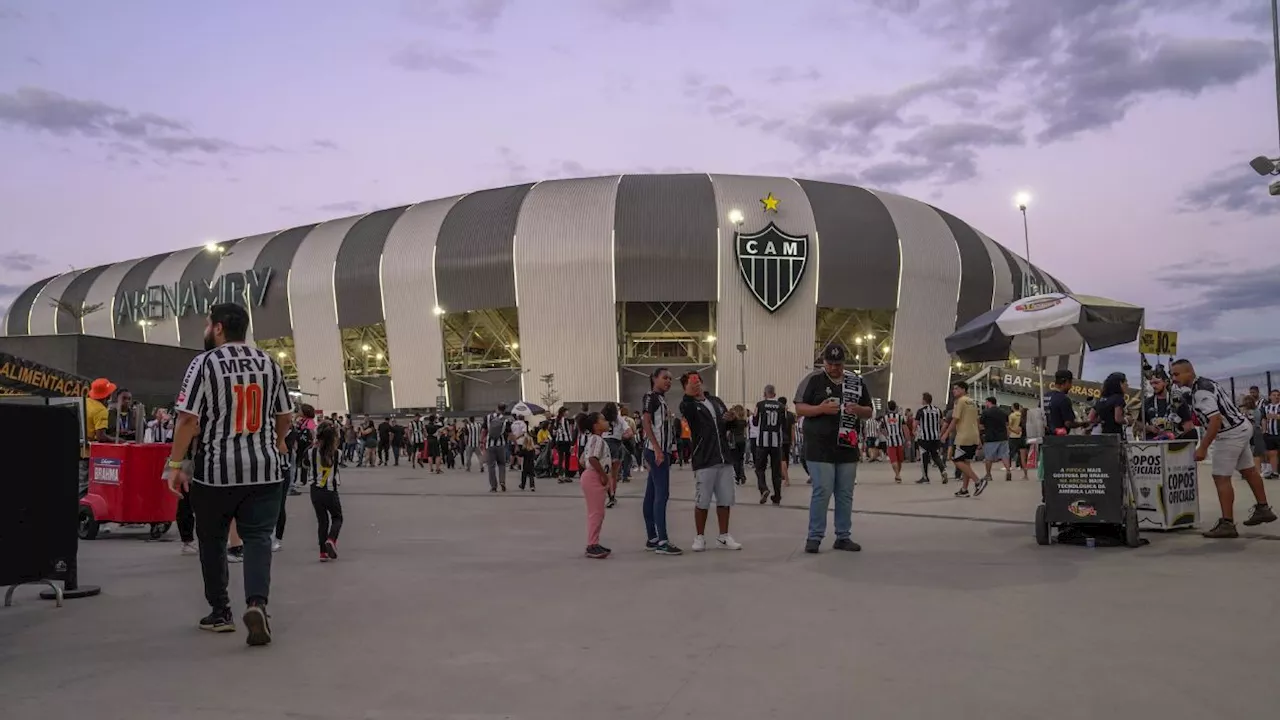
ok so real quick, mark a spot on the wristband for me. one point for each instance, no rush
(174, 464)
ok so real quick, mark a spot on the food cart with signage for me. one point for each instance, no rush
(1086, 486)
(1163, 475)
(126, 486)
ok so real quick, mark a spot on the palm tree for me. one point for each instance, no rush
(79, 313)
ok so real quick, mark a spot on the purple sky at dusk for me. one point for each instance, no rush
(134, 128)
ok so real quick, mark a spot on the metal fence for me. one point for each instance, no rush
(1265, 381)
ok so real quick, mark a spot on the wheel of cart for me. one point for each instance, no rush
(1042, 525)
(159, 529)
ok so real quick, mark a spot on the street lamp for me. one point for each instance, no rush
(437, 311)
(736, 217)
(1022, 200)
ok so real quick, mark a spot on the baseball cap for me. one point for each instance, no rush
(834, 354)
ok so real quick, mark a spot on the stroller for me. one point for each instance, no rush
(543, 465)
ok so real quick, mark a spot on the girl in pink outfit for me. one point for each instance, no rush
(595, 462)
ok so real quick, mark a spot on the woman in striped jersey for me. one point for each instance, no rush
(417, 439)
(324, 492)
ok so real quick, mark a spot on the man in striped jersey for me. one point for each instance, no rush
(1271, 432)
(497, 437)
(928, 432)
(893, 431)
(1231, 435)
(655, 426)
(562, 435)
(770, 418)
(234, 400)
(417, 440)
(473, 446)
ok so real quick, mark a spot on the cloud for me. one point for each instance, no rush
(785, 74)
(11, 14)
(18, 261)
(1215, 290)
(418, 59)
(9, 290)
(347, 206)
(324, 144)
(1255, 15)
(1235, 189)
(475, 15)
(39, 110)
(636, 11)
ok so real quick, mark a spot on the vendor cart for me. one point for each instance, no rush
(1086, 489)
(126, 486)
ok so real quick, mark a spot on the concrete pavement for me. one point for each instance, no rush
(453, 603)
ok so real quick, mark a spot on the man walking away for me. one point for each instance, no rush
(1230, 433)
(995, 438)
(1017, 438)
(928, 431)
(234, 399)
(497, 434)
(705, 415)
(824, 398)
(656, 430)
(474, 445)
(770, 417)
(893, 431)
(963, 426)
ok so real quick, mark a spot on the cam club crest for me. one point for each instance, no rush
(772, 263)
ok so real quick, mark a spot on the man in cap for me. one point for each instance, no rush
(822, 399)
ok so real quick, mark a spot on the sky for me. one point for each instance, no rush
(141, 126)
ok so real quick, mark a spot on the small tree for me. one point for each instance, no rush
(77, 312)
(549, 395)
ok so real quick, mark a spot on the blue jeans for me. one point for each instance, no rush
(657, 489)
(828, 478)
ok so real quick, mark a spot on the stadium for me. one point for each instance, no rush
(572, 290)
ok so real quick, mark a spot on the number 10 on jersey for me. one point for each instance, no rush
(248, 400)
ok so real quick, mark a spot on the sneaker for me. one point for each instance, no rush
(533, 489)
(331, 549)
(944, 479)
(276, 545)
(1008, 477)
(294, 491)
(612, 501)
(595, 552)
(726, 542)
(218, 621)
(493, 490)
(504, 487)
(1261, 514)
(811, 546)
(699, 543)
(1224, 529)
(764, 496)
(666, 548)
(650, 545)
(235, 555)
(324, 557)
(189, 549)
(259, 625)
(846, 544)
(981, 485)
(923, 481)
(962, 493)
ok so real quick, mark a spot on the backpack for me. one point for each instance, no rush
(496, 425)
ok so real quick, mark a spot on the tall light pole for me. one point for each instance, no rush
(736, 217)
(1022, 200)
(1275, 39)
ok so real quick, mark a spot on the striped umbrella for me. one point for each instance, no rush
(1046, 325)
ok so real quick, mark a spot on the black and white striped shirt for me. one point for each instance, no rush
(237, 392)
(892, 430)
(770, 416)
(1271, 427)
(654, 405)
(417, 431)
(562, 429)
(928, 423)
(1210, 398)
(497, 438)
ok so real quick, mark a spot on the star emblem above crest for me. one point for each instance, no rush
(770, 203)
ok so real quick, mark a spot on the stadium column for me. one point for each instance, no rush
(168, 274)
(240, 260)
(317, 340)
(44, 312)
(564, 272)
(767, 285)
(104, 292)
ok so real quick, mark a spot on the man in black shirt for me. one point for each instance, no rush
(384, 442)
(770, 418)
(713, 476)
(1059, 413)
(1167, 417)
(823, 398)
(995, 437)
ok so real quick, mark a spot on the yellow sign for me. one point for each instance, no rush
(1158, 342)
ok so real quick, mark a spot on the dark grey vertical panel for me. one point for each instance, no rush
(135, 281)
(74, 296)
(1015, 270)
(475, 262)
(977, 277)
(199, 270)
(664, 239)
(20, 311)
(356, 281)
(858, 256)
(1038, 277)
(271, 319)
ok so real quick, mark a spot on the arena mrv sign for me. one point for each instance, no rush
(248, 288)
(772, 264)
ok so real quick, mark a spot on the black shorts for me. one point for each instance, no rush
(1016, 444)
(965, 453)
(1272, 442)
(786, 452)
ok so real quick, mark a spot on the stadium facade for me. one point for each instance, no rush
(479, 297)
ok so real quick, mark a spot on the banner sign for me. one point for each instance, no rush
(1083, 478)
(1021, 382)
(1158, 342)
(248, 288)
(106, 471)
(1164, 483)
(24, 377)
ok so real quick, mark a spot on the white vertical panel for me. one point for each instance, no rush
(242, 257)
(414, 339)
(779, 345)
(1004, 292)
(317, 341)
(103, 322)
(1027, 277)
(930, 288)
(44, 315)
(564, 288)
(167, 273)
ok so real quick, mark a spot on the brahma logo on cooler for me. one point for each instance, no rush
(1082, 509)
(106, 471)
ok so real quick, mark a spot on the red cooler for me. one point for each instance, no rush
(126, 486)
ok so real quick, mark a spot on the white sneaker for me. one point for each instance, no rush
(189, 548)
(726, 542)
(699, 543)
(275, 545)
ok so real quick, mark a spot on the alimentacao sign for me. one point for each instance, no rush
(155, 302)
